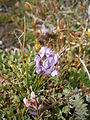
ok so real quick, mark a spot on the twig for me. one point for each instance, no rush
(21, 35)
(84, 66)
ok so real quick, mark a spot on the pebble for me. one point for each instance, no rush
(0, 42)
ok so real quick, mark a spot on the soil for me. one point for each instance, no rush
(7, 36)
(7, 27)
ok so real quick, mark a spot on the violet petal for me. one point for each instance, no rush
(53, 28)
(51, 61)
(33, 113)
(40, 107)
(48, 71)
(37, 60)
(26, 102)
(56, 57)
(49, 52)
(46, 64)
(44, 30)
(38, 101)
(42, 52)
(54, 73)
(38, 70)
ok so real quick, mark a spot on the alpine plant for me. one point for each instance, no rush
(46, 61)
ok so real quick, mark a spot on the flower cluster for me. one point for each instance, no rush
(30, 104)
(45, 30)
(45, 61)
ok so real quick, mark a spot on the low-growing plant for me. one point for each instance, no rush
(48, 80)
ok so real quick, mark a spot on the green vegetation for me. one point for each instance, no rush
(23, 90)
(4, 18)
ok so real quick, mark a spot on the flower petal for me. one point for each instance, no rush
(44, 30)
(49, 52)
(42, 52)
(33, 113)
(37, 60)
(54, 73)
(48, 71)
(51, 61)
(46, 64)
(38, 70)
(56, 57)
(25, 101)
(53, 28)
(32, 95)
(40, 107)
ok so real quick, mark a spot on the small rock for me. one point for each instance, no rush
(0, 42)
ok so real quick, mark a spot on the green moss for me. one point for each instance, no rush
(4, 18)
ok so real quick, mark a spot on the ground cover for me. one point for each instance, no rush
(46, 75)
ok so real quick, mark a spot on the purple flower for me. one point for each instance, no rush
(33, 113)
(38, 70)
(35, 108)
(40, 107)
(48, 71)
(37, 60)
(32, 95)
(46, 64)
(26, 102)
(53, 28)
(38, 101)
(46, 61)
(44, 30)
(43, 69)
(30, 104)
(54, 73)
(56, 57)
(49, 52)
(51, 61)
(42, 52)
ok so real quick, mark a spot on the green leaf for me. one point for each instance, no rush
(65, 109)
(1, 114)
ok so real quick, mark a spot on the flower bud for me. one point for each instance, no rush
(32, 95)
